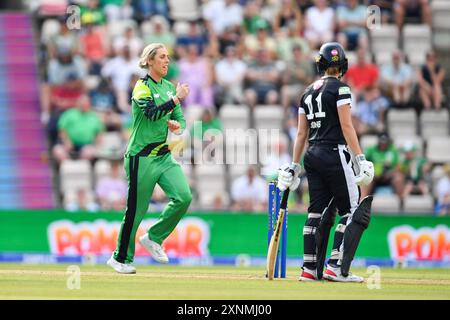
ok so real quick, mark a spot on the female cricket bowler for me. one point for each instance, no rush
(156, 109)
(324, 118)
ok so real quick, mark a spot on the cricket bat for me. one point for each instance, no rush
(275, 240)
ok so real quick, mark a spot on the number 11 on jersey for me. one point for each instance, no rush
(311, 114)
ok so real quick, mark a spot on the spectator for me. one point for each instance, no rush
(431, 78)
(130, 40)
(112, 190)
(104, 103)
(220, 14)
(65, 85)
(249, 191)
(66, 68)
(198, 72)
(208, 121)
(230, 74)
(117, 9)
(261, 40)
(81, 202)
(362, 76)
(412, 11)
(288, 15)
(94, 49)
(92, 13)
(229, 38)
(397, 79)
(385, 158)
(286, 41)
(144, 9)
(319, 24)
(120, 70)
(351, 20)
(79, 131)
(370, 113)
(305, 5)
(443, 192)
(160, 33)
(252, 16)
(414, 169)
(196, 36)
(66, 39)
(386, 8)
(262, 77)
(297, 76)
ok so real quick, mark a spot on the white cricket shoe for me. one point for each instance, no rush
(125, 268)
(334, 274)
(155, 250)
(308, 275)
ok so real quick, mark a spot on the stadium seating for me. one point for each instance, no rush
(438, 149)
(436, 174)
(50, 28)
(184, 9)
(268, 117)
(209, 182)
(383, 41)
(75, 175)
(117, 28)
(385, 204)
(368, 140)
(416, 42)
(420, 205)
(401, 122)
(399, 142)
(440, 10)
(250, 143)
(193, 113)
(111, 145)
(434, 123)
(235, 116)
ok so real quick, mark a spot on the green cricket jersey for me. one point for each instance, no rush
(152, 107)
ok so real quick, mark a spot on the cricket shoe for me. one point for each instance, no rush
(155, 250)
(125, 268)
(334, 274)
(308, 275)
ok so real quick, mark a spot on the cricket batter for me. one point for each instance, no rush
(156, 109)
(325, 120)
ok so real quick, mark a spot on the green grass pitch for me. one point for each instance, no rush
(211, 283)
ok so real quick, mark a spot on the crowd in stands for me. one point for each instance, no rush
(234, 52)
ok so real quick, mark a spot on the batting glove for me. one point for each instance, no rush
(366, 171)
(288, 176)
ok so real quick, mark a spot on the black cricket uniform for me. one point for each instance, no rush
(327, 162)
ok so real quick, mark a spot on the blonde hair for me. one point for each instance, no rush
(149, 53)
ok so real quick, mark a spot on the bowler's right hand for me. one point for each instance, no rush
(182, 91)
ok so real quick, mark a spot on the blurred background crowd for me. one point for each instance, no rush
(247, 63)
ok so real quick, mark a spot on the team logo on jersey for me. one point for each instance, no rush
(169, 94)
(156, 95)
(344, 90)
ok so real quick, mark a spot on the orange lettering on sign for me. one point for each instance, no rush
(404, 243)
(63, 238)
(192, 242)
(106, 242)
(172, 243)
(85, 242)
